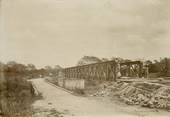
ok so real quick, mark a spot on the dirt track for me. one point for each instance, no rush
(57, 100)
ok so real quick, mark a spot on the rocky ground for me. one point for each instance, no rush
(152, 95)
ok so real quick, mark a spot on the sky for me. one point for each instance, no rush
(52, 32)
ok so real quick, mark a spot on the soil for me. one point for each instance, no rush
(59, 103)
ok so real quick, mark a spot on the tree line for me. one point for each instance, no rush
(160, 67)
(29, 70)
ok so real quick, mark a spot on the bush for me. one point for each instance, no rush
(16, 94)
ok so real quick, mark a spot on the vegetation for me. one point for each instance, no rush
(16, 92)
(29, 70)
(160, 67)
(88, 60)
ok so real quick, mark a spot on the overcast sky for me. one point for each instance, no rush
(50, 32)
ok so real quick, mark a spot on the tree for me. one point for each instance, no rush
(88, 60)
(105, 59)
(57, 69)
(11, 63)
(120, 60)
(164, 66)
(31, 67)
(1, 66)
(15, 67)
(48, 68)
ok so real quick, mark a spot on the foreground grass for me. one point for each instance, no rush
(16, 96)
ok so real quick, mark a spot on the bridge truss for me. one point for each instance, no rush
(104, 70)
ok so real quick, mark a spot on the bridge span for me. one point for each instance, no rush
(109, 70)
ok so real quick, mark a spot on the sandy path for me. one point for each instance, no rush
(62, 101)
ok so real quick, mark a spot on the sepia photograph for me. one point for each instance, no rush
(84, 58)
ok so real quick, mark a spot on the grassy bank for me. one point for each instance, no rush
(16, 95)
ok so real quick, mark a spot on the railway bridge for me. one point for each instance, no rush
(109, 70)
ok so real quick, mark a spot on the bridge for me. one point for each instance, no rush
(109, 70)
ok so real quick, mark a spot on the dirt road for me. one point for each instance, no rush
(56, 100)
